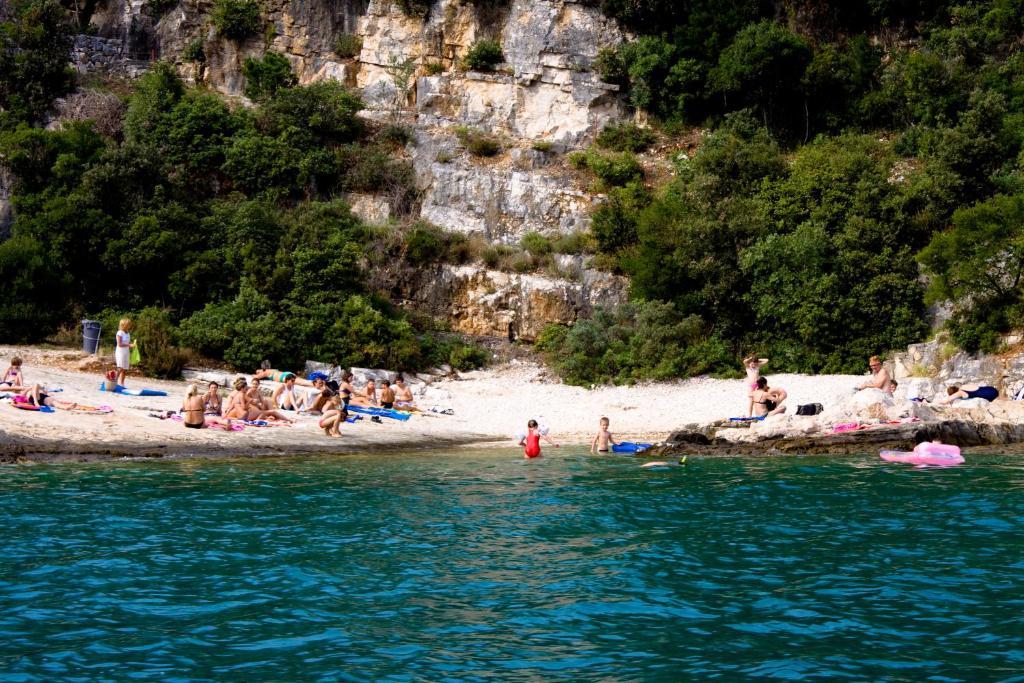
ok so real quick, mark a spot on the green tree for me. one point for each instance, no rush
(35, 47)
(978, 265)
(264, 77)
(764, 68)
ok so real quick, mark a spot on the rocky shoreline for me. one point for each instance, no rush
(994, 437)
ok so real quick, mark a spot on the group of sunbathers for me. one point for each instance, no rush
(327, 398)
(32, 395)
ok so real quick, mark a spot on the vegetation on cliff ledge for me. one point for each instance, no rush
(216, 226)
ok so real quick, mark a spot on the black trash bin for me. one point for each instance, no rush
(91, 336)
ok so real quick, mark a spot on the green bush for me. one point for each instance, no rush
(194, 51)
(483, 55)
(468, 357)
(536, 244)
(414, 8)
(155, 335)
(348, 45)
(478, 143)
(614, 169)
(643, 341)
(434, 68)
(237, 19)
(572, 243)
(626, 137)
(264, 77)
(425, 243)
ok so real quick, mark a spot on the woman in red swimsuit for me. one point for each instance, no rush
(531, 442)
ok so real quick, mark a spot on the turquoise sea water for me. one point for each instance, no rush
(481, 566)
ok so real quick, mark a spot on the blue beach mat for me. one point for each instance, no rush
(747, 419)
(380, 412)
(134, 392)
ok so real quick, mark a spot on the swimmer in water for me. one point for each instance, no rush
(531, 442)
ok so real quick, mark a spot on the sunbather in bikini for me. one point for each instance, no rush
(272, 375)
(259, 407)
(238, 401)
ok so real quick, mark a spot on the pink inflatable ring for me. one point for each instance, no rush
(927, 453)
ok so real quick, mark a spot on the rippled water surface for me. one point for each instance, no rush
(479, 565)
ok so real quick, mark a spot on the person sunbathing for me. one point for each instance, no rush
(967, 391)
(212, 404)
(272, 375)
(767, 401)
(238, 402)
(879, 375)
(403, 395)
(284, 396)
(13, 379)
(258, 406)
(193, 409)
(366, 397)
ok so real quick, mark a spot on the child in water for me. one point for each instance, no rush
(604, 440)
(752, 364)
(531, 442)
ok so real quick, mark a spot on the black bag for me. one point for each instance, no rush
(809, 409)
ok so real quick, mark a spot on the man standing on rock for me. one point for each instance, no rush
(879, 375)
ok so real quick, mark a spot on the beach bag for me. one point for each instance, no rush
(809, 409)
(134, 358)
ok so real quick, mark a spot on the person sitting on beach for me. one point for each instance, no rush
(366, 397)
(193, 409)
(403, 395)
(211, 400)
(333, 414)
(891, 388)
(259, 407)
(238, 402)
(879, 375)
(272, 375)
(767, 401)
(13, 379)
(966, 391)
(387, 395)
(285, 398)
(752, 364)
(604, 440)
(315, 401)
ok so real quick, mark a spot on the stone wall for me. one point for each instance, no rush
(94, 54)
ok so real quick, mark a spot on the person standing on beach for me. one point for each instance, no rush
(123, 352)
(752, 364)
(879, 376)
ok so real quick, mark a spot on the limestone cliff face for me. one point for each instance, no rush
(492, 303)
(409, 70)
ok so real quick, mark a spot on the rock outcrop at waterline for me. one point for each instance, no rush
(873, 425)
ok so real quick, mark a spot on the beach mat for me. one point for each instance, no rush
(380, 412)
(134, 392)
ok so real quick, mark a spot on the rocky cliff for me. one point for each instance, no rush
(544, 99)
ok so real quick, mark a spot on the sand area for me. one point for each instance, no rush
(489, 408)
